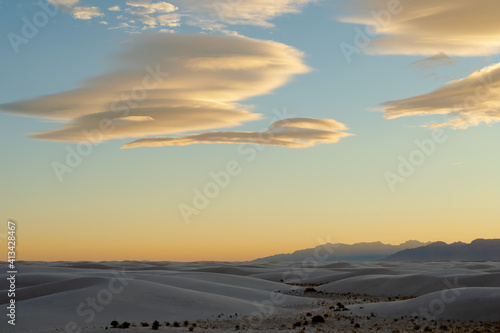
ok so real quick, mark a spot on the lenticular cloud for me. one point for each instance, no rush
(164, 84)
(293, 132)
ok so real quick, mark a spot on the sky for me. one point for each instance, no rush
(236, 129)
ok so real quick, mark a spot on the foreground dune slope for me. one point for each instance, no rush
(86, 296)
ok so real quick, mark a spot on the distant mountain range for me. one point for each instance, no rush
(477, 250)
(355, 252)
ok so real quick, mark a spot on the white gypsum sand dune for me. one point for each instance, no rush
(477, 304)
(87, 296)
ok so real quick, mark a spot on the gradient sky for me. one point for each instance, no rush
(315, 186)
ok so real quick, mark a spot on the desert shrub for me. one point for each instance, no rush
(318, 319)
(155, 325)
(144, 324)
(186, 323)
(125, 325)
(114, 324)
(176, 324)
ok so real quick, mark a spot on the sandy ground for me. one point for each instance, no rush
(264, 297)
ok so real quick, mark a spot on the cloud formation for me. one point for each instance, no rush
(470, 101)
(293, 133)
(64, 3)
(86, 13)
(145, 19)
(148, 7)
(164, 84)
(437, 60)
(239, 12)
(169, 20)
(136, 15)
(427, 27)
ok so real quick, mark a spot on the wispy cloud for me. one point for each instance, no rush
(169, 20)
(470, 101)
(148, 7)
(181, 83)
(86, 13)
(64, 3)
(205, 14)
(293, 132)
(240, 12)
(427, 27)
(145, 19)
(437, 60)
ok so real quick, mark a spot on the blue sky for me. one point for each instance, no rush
(337, 189)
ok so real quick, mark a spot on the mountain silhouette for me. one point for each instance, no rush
(477, 250)
(334, 252)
